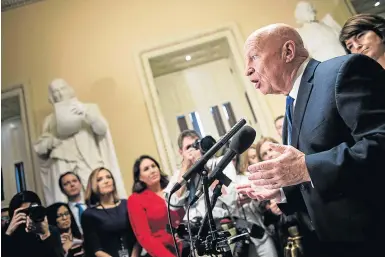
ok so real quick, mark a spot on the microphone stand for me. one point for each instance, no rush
(216, 242)
(209, 207)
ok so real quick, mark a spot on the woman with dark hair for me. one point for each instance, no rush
(147, 209)
(25, 237)
(59, 215)
(106, 227)
(365, 34)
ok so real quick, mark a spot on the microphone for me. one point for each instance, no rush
(200, 164)
(240, 143)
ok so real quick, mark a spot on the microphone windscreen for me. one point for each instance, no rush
(243, 139)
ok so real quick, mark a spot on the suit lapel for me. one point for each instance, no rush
(304, 92)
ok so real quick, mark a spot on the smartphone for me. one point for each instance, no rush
(75, 250)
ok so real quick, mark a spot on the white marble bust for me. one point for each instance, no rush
(320, 37)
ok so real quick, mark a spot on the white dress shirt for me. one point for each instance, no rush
(75, 212)
(297, 82)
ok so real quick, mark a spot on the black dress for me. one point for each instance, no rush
(107, 229)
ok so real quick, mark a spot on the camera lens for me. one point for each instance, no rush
(206, 143)
(37, 212)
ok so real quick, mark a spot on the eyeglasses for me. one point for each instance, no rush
(5, 218)
(64, 214)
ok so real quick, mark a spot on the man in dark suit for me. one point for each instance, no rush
(331, 171)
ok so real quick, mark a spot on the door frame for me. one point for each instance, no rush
(233, 36)
(19, 90)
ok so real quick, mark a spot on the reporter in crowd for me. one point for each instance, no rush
(59, 215)
(190, 153)
(147, 209)
(250, 210)
(106, 227)
(71, 186)
(365, 34)
(26, 237)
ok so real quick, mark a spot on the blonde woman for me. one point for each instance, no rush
(249, 210)
(244, 160)
(106, 227)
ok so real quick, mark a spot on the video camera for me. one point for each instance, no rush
(244, 231)
(204, 144)
(182, 229)
(35, 212)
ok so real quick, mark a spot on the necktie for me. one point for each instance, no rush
(289, 117)
(80, 208)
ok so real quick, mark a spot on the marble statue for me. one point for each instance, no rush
(75, 138)
(320, 37)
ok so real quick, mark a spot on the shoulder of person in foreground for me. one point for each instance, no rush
(357, 63)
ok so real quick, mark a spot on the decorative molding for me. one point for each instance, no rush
(7, 5)
(26, 114)
(231, 33)
(367, 6)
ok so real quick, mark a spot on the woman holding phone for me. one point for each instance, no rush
(60, 216)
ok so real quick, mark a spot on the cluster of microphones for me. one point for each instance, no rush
(241, 137)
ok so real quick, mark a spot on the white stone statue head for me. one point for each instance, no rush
(305, 12)
(59, 90)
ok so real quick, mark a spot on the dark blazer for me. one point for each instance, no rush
(339, 123)
(22, 244)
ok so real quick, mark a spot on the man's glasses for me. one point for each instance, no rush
(64, 214)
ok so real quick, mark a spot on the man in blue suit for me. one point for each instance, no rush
(331, 171)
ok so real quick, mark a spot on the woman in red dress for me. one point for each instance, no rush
(147, 209)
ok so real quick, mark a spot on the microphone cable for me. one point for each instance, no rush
(171, 226)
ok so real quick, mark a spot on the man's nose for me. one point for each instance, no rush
(249, 71)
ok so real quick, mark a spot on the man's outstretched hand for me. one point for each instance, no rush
(259, 193)
(288, 169)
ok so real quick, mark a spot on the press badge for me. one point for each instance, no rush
(123, 253)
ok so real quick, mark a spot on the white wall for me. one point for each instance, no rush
(197, 89)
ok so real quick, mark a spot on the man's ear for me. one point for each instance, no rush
(288, 51)
(180, 151)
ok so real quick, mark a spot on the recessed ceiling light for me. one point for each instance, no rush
(188, 57)
(377, 3)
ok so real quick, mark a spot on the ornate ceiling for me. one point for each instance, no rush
(368, 6)
(199, 54)
(10, 4)
(10, 107)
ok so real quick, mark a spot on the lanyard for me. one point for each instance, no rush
(117, 214)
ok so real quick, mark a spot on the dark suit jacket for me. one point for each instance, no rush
(339, 123)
